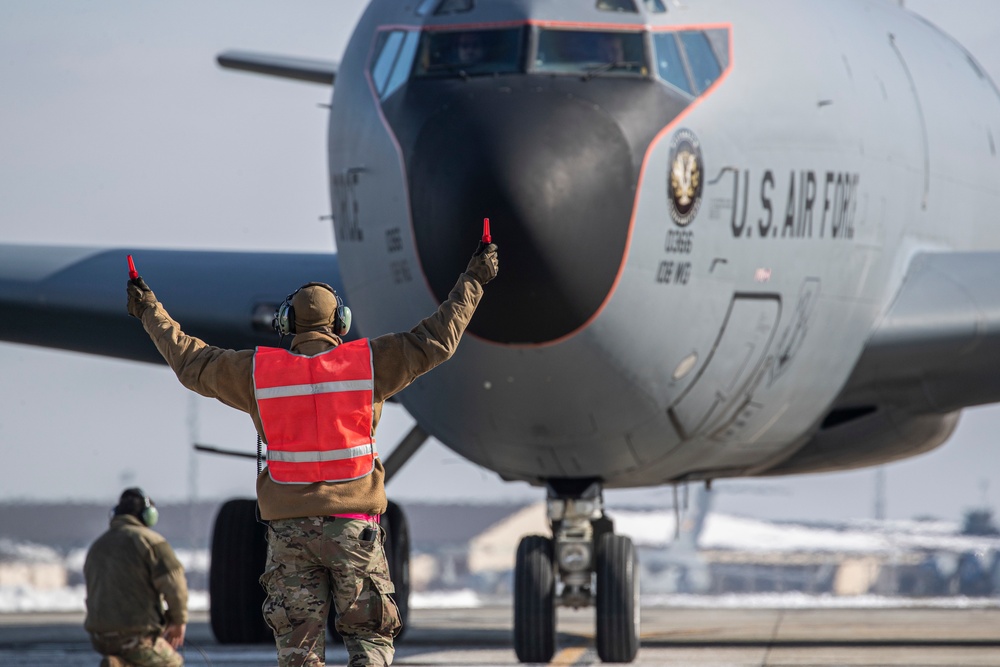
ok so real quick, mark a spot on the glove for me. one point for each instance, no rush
(483, 265)
(140, 297)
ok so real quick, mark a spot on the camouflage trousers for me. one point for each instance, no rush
(313, 560)
(141, 650)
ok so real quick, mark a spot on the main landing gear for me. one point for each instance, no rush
(584, 564)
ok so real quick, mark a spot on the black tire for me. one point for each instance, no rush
(617, 599)
(239, 550)
(397, 553)
(534, 600)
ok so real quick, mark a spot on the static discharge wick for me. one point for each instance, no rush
(132, 273)
(486, 231)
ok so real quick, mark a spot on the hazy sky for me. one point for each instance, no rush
(117, 128)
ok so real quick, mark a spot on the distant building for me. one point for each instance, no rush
(494, 550)
(441, 537)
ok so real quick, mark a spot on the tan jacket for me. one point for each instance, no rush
(398, 359)
(130, 571)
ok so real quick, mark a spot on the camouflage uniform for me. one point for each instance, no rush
(312, 560)
(142, 651)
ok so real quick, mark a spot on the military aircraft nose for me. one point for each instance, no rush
(555, 175)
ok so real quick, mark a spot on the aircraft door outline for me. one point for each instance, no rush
(750, 323)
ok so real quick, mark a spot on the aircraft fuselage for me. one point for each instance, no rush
(690, 265)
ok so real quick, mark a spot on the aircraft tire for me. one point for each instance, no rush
(397, 553)
(534, 600)
(617, 599)
(239, 550)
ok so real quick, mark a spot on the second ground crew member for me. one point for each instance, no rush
(130, 572)
(317, 408)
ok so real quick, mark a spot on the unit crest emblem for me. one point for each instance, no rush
(684, 181)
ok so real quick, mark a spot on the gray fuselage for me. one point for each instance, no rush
(634, 334)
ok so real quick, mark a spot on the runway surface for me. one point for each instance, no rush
(914, 637)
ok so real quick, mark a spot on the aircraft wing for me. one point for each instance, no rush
(300, 69)
(73, 298)
(937, 349)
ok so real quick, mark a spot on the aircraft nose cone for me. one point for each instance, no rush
(556, 177)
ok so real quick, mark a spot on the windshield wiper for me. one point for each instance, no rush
(594, 70)
(437, 70)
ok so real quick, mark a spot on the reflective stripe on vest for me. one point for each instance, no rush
(316, 413)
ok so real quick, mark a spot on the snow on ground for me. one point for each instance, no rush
(735, 533)
(193, 560)
(27, 552)
(464, 599)
(23, 600)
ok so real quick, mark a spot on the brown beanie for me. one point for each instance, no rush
(315, 306)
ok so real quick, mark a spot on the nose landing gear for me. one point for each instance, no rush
(583, 564)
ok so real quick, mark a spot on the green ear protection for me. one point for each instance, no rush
(284, 318)
(148, 513)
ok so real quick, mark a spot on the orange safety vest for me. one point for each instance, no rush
(316, 413)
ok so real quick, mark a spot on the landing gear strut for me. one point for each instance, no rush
(584, 564)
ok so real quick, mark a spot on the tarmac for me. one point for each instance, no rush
(730, 637)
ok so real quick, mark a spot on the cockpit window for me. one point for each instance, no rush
(704, 65)
(453, 7)
(590, 52)
(469, 53)
(691, 60)
(394, 57)
(616, 6)
(669, 62)
(444, 7)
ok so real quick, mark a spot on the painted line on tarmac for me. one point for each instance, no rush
(569, 656)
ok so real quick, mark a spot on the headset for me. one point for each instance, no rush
(284, 316)
(149, 515)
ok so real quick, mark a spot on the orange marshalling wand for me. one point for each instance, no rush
(486, 231)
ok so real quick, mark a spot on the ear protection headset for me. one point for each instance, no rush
(284, 317)
(148, 514)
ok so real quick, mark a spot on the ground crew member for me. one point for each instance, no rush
(130, 572)
(322, 490)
